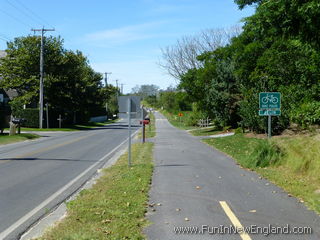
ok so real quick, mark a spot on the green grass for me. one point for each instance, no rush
(175, 120)
(236, 146)
(205, 131)
(296, 168)
(114, 208)
(77, 127)
(6, 139)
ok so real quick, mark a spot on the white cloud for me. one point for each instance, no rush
(124, 34)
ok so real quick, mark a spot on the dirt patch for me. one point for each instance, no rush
(255, 135)
(286, 133)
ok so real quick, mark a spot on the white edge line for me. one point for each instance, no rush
(23, 219)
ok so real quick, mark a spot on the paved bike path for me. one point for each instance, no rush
(195, 185)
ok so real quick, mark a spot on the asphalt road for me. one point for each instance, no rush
(37, 175)
(195, 185)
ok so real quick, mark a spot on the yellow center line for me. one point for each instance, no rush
(48, 148)
(235, 221)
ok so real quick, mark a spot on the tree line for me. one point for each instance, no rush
(71, 87)
(278, 50)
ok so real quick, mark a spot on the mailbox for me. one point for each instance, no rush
(18, 120)
(144, 122)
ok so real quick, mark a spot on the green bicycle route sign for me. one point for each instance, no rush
(269, 105)
(266, 112)
(270, 100)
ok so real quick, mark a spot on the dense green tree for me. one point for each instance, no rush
(71, 87)
(20, 68)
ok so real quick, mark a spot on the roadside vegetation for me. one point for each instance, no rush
(292, 163)
(77, 127)
(115, 207)
(6, 139)
(151, 127)
(73, 90)
(205, 131)
(178, 121)
(220, 73)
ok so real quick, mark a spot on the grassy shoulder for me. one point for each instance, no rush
(205, 131)
(6, 139)
(292, 163)
(114, 208)
(77, 127)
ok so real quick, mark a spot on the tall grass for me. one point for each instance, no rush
(293, 163)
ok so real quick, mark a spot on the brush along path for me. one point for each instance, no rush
(295, 168)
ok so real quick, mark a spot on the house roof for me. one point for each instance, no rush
(12, 93)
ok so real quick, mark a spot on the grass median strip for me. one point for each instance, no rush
(6, 139)
(114, 208)
(78, 127)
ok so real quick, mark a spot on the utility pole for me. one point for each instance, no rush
(106, 77)
(122, 87)
(117, 87)
(117, 82)
(42, 30)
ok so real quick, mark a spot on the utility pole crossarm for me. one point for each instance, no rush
(42, 29)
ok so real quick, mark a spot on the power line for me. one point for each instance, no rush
(4, 37)
(15, 18)
(24, 13)
(34, 14)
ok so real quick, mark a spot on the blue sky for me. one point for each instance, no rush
(120, 36)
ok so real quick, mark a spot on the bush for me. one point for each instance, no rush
(31, 115)
(239, 130)
(194, 117)
(264, 154)
(307, 114)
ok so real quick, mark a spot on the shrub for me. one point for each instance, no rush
(193, 118)
(31, 115)
(307, 114)
(239, 130)
(264, 154)
(226, 128)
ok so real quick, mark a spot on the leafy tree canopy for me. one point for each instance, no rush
(71, 86)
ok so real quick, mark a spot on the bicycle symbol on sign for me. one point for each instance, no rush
(269, 98)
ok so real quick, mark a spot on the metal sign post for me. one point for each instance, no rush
(269, 105)
(47, 110)
(129, 105)
(129, 131)
(269, 126)
(143, 126)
